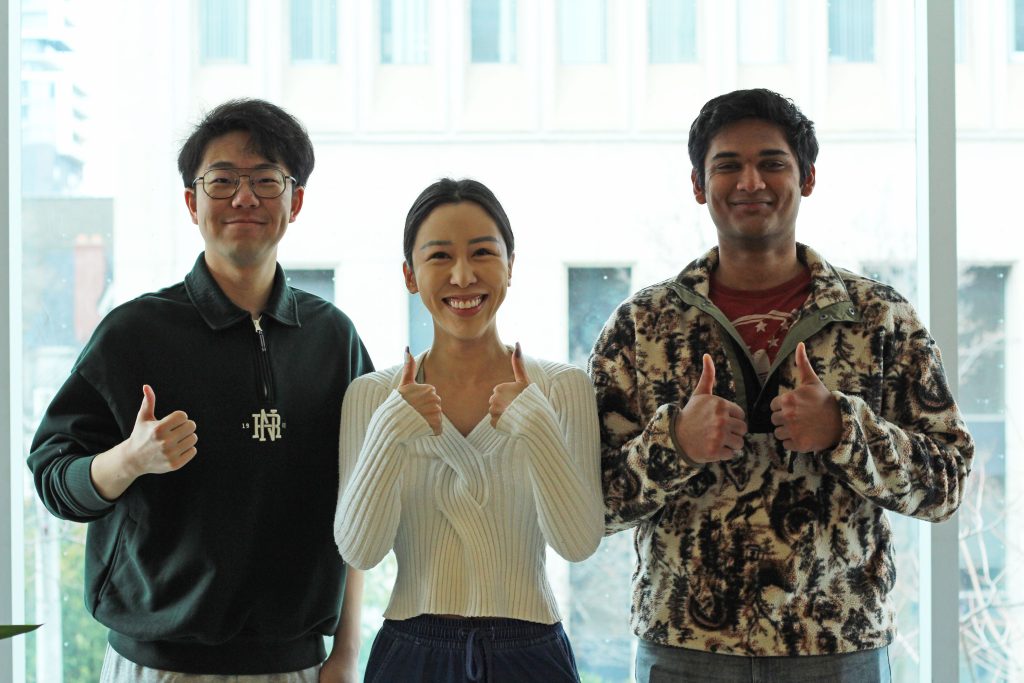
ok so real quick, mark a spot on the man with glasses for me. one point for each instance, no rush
(210, 549)
(760, 412)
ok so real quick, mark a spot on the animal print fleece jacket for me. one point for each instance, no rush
(774, 552)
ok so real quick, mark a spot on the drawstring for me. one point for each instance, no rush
(478, 658)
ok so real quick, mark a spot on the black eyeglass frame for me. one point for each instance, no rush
(238, 182)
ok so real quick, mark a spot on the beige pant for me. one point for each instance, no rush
(117, 669)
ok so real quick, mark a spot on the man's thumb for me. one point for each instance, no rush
(706, 383)
(805, 373)
(147, 411)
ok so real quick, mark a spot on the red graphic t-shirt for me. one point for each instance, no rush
(763, 316)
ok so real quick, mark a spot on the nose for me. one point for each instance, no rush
(463, 274)
(245, 197)
(750, 179)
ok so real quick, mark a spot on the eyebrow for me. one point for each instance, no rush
(762, 153)
(444, 243)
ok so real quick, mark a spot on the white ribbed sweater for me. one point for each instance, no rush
(469, 516)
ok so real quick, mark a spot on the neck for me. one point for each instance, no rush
(750, 269)
(466, 361)
(246, 287)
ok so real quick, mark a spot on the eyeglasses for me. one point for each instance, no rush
(222, 183)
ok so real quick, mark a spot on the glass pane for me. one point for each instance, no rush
(851, 30)
(92, 240)
(223, 28)
(403, 31)
(582, 31)
(762, 31)
(317, 281)
(421, 326)
(989, 131)
(673, 31)
(1018, 25)
(492, 31)
(314, 31)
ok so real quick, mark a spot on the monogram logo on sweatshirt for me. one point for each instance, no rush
(266, 425)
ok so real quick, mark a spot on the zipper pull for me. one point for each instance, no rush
(259, 332)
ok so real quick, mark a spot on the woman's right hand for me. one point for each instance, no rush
(422, 397)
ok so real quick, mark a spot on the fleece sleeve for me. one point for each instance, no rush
(640, 465)
(912, 453)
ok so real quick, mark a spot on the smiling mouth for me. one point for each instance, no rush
(464, 303)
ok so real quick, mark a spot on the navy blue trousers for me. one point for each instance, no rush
(431, 649)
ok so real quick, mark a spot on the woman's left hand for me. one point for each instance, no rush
(504, 394)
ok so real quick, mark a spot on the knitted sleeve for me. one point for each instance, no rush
(376, 423)
(561, 437)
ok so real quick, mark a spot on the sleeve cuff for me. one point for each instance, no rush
(402, 419)
(673, 416)
(79, 481)
(522, 410)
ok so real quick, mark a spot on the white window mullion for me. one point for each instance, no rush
(12, 570)
(937, 287)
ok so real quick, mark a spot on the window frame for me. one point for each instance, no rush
(937, 237)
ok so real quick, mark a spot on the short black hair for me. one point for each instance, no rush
(758, 103)
(273, 133)
(449, 191)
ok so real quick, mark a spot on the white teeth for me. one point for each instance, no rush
(465, 303)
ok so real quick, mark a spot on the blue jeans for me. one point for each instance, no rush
(664, 664)
(430, 649)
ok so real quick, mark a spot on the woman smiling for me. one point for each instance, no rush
(467, 461)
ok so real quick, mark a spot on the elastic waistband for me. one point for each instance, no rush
(445, 632)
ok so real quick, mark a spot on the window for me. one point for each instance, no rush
(851, 30)
(319, 281)
(960, 31)
(603, 648)
(582, 31)
(761, 31)
(593, 295)
(223, 31)
(989, 599)
(492, 25)
(421, 325)
(314, 31)
(403, 31)
(672, 31)
(89, 247)
(1018, 25)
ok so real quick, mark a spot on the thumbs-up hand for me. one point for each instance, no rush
(709, 428)
(504, 394)
(422, 397)
(158, 446)
(806, 419)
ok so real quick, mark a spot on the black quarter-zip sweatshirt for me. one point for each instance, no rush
(228, 565)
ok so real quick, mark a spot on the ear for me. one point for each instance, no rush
(808, 184)
(190, 202)
(410, 278)
(698, 193)
(511, 260)
(298, 194)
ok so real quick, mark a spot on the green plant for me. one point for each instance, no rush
(11, 631)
